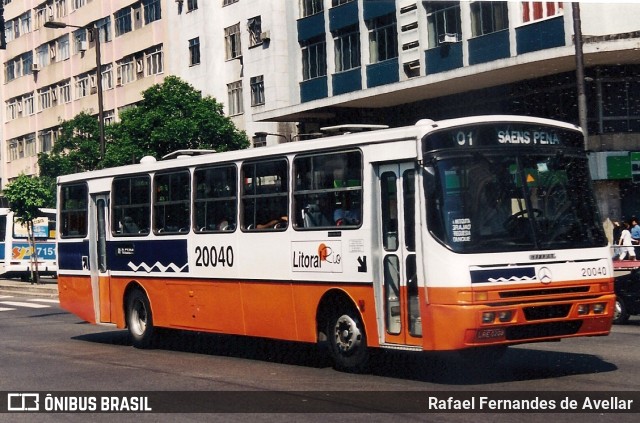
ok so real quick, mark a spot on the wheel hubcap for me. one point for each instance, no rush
(139, 318)
(347, 334)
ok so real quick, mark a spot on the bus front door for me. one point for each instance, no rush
(403, 324)
(100, 281)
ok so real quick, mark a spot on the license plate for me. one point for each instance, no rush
(490, 333)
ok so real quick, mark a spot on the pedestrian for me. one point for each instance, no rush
(635, 234)
(626, 244)
(617, 231)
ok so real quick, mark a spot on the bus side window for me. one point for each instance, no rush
(171, 207)
(74, 210)
(265, 195)
(216, 201)
(131, 205)
(328, 191)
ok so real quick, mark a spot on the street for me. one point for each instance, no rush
(45, 349)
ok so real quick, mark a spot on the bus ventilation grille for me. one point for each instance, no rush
(547, 312)
(543, 330)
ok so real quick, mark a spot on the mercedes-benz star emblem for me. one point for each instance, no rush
(544, 275)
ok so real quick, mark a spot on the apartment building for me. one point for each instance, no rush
(50, 74)
(286, 68)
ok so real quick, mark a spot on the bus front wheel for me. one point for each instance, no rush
(140, 319)
(348, 341)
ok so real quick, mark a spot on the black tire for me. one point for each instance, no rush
(620, 315)
(140, 319)
(347, 341)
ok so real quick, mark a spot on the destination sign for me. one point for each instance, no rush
(507, 134)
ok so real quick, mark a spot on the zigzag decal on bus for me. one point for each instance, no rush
(158, 267)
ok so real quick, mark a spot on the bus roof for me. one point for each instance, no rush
(316, 144)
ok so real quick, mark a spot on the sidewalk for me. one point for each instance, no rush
(48, 288)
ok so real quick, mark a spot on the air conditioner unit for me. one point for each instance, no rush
(83, 46)
(448, 38)
(35, 67)
(265, 36)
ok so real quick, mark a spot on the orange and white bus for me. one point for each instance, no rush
(469, 234)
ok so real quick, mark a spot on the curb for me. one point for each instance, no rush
(29, 290)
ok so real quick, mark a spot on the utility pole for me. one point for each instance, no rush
(582, 98)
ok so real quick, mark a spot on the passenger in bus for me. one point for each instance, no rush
(274, 223)
(347, 213)
(626, 244)
(129, 226)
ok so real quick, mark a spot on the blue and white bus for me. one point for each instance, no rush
(16, 251)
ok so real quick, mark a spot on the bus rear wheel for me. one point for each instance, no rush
(348, 341)
(140, 319)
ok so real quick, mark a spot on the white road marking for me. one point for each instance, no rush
(6, 309)
(45, 300)
(21, 304)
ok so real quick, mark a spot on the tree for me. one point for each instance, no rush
(26, 196)
(173, 116)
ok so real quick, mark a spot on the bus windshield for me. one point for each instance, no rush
(491, 200)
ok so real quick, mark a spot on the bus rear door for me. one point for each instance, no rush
(403, 324)
(100, 280)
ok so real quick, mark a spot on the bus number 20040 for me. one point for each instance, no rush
(213, 257)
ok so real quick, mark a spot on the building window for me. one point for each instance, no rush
(30, 145)
(257, 90)
(347, 49)
(153, 58)
(12, 150)
(123, 21)
(234, 91)
(80, 40)
(25, 23)
(47, 138)
(260, 141)
(77, 4)
(443, 20)
(64, 92)
(232, 41)
(152, 11)
(310, 7)
(106, 78)
(314, 60)
(45, 99)
(194, 51)
(126, 71)
(228, 2)
(29, 107)
(63, 50)
(42, 55)
(488, 17)
(254, 25)
(192, 5)
(60, 8)
(335, 3)
(536, 10)
(82, 85)
(383, 39)
(104, 29)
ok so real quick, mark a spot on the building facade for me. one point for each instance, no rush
(284, 69)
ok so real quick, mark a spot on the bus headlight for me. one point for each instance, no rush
(488, 317)
(505, 316)
(598, 308)
(583, 309)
